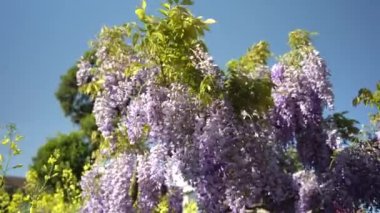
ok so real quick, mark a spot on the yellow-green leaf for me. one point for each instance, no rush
(143, 4)
(5, 141)
(166, 5)
(56, 168)
(159, 36)
(135, 38)
(18, 138)
(44, 168)
(140, 13)
(164, 12)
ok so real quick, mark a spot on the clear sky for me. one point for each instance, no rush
(41, 39)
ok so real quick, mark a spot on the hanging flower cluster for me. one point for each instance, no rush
(301, 93)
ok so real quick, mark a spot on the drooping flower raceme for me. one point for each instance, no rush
(106, 187)
(300, 95)
(83, 74)
(151, 173)
(308, 191)
(231, 162)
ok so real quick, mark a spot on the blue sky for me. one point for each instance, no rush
(41, 39)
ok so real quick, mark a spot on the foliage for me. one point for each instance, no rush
(190, 207)
(343, 126)
(369, 98)
(74, 153)
(78, 107)
(74, 104)
(65, 198)
(10, 142)
(302, 91)
(249, 84)
(36, 198)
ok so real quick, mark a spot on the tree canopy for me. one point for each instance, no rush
(75, 152)
(76, 105)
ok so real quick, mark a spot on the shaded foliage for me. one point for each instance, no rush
(76, 105)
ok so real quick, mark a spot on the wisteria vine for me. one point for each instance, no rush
(179, 130)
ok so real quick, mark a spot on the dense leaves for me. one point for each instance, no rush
(249, 85)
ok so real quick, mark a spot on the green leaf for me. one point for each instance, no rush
(44, 168)
(210, 21)
(19, 138)
(135, 39)
(187, 2)
(159, 36)
(52, 160)
(164, 12)
(143, 4)
(5, 141)
(56, 168)
(140, 13)
(166, 5)
(17, 166)
(15, 149)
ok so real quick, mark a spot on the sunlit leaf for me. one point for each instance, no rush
(143, 4)
(5, 141)
(140, 13)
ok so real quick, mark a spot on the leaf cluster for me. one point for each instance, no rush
(300, 42)
(169, 41)
(10, 141)
(369, 98)
(248, 84)
(75, 104)
(345, 126)
(74, 153)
